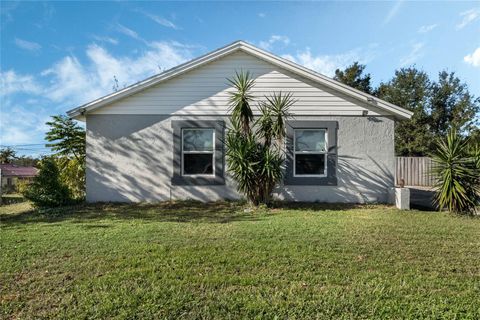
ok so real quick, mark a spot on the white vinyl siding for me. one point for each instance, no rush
(204, 91)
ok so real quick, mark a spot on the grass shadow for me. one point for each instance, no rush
(176, 211)
(322, 206)
(181, 211)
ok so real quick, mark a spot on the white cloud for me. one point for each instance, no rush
(414, 54)
(69, 79)
(160, 20)
(427, 28)
(268, 45)
(128, 32)
(77, 83)
(393, 11)
(21, 125)
(27, 45)
(70, 82)
(105, 39)
(473, 58)
(327, 64)
(11, 83)
(468, 17)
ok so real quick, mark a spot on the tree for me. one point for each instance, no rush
(25, 161)
(7, 155)
(354, 76)
(68, 142)
(474, 136)
(254, 150)
(452, 106)
(67, 137)
(47, 190)
(410, 89)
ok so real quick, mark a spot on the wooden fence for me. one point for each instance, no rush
(415, 171)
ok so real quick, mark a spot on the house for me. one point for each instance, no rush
(161, 138)
(12, 174)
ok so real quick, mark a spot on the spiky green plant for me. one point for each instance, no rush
(279, 105)
(255, 159)
(241, 98)
(457, 174)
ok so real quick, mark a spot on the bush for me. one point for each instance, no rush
(457, 168)
(72, 175)
(255, 154)
(47, 190)
(22, 186)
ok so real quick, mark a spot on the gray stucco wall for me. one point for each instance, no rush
(129, 159)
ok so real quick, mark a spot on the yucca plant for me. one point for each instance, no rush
(255, 158)
(240, 100)
(456, 170)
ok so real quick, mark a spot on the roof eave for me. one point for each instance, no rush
(400, 113)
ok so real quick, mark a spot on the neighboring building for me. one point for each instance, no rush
(161, 138)
(12, 174)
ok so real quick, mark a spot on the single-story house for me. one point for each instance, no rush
(12, 174)
(161, 138)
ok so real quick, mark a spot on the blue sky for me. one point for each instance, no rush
(58, 55)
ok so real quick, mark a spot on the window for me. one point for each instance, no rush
(310, 152)
(198, 155)
(198, 152)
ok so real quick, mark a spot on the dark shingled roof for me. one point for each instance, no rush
(12, 170)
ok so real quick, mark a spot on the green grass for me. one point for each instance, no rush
(191, 261)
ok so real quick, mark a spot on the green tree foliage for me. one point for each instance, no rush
(47, 190)
(67, 140)
(474, 136)
(437, 106)
(354, 76)
(452, 106)
(7, 155)
(457, 167)
(27, 161)
(72, 174)
(410, 89)
(67, 137)
(254, 150)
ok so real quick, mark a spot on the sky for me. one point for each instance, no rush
(55, 56)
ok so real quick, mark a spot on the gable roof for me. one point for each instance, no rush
(295, 68)
(12, 170)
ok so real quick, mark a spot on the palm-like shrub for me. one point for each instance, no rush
(240, 100)
(457, 171)
(255, 153)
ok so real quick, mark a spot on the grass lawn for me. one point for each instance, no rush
(191, 260)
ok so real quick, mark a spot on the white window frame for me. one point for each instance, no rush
(325, 153)
(199, 152)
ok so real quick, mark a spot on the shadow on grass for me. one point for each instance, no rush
(322, 206)
(181, 211)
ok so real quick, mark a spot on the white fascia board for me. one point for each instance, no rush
(147, 83)
(261, 54)
(316, 77)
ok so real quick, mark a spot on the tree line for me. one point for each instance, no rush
(438, 106)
